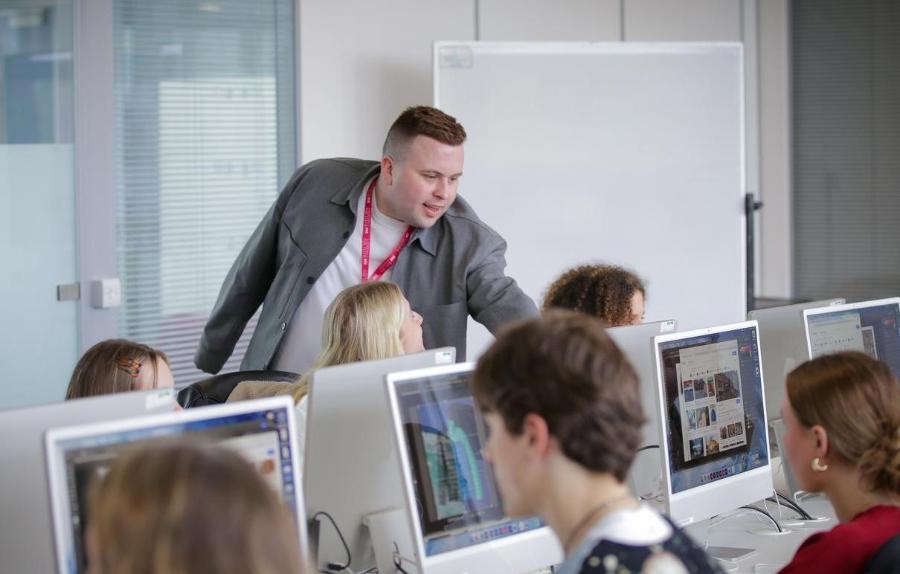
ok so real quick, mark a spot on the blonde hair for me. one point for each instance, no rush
(113, 366)
(856, 399)
(184, 508)
(361, 324)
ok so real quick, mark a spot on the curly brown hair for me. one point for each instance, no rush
(603, 291)
(565, 368)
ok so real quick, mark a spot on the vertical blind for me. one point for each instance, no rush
(846, 146)
(205, 136)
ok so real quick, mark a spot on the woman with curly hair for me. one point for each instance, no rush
(608, 292)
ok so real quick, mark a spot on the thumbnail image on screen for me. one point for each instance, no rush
(457, 496)
(871, 330)
(260, 437)
(714, 410)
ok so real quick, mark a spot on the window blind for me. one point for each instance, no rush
(846, 142)
(205, 137)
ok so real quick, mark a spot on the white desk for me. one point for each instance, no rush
(772, 551)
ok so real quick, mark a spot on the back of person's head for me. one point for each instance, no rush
(185, 509)
(118, 366)
(603, 291)
(856, 399)
(363, 323)
(422, 121)
(566, 369)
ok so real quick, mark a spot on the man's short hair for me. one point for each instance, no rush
(566, 369)
(422, 121)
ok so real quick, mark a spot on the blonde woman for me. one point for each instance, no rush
(842, 419)
(365, 322)
(188, 509)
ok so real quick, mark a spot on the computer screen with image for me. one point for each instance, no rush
(459, 519)
(263, 431)
(872, 327)
(713, 412)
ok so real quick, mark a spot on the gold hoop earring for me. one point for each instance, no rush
(817, 465)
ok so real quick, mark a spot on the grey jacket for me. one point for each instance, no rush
(452, 270)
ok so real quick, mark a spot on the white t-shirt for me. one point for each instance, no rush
(303, 340)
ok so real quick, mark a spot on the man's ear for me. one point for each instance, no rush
(537, 434)
(387, 170)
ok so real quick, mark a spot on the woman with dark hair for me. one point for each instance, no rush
(564, 413)
(608, 292)
(842, 437)
(118, 366)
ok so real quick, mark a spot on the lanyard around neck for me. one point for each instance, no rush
(367, 241)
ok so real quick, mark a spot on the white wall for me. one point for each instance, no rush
(359, 72)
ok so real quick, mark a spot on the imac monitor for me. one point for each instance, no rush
(350, 461)
(636, 341)
(454, 512)
(870, 327)
(782, 339)
(26, 531)
(263, 431)
(712, 409)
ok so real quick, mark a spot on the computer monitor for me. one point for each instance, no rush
(350, 465)
(782, 339)
(454, 517)
(636, 341)
(26, 529)
(712, 410)
(263, 431)
(869, 326)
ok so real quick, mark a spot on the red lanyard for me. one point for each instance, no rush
(367, 242)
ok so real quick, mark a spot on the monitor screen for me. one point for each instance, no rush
(870, 327)
(457, 496)
(714, 414)
(261, 435)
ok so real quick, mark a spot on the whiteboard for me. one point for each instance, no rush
(620, 153)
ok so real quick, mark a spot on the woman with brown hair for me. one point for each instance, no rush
(118, 366)
(842, 437)
(188, 508)
(608, 292)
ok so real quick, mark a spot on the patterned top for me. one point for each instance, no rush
(637, 540)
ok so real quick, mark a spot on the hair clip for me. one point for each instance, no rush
(130, 367)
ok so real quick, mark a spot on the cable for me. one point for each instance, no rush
(399, 559)
(648, 447)
(334, 566)
(761, 511)
(792, 505)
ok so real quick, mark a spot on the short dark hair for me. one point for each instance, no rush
(604, 291)
(422, 121)
(565, 368)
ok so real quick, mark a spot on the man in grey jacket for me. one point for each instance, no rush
(342, 221)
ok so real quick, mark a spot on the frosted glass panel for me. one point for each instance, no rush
(38, 338)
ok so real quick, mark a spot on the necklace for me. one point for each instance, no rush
(592, 513)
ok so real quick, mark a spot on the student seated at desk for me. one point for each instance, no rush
(608, 292)
(118, 366)
(564, 415)
(842, 437)
(365, 322)
(189, 509)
